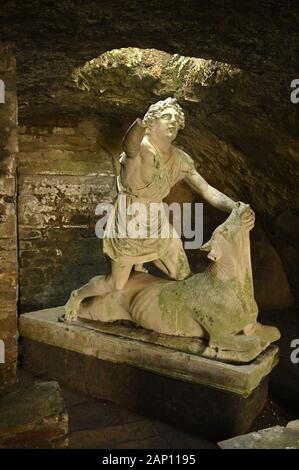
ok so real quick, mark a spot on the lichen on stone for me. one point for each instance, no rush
(140, 71)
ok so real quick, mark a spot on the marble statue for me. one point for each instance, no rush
(218, 305)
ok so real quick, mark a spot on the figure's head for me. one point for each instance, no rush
(165, 118)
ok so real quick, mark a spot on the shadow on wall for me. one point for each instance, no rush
(284, 379)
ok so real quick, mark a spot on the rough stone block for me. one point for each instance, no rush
(33, 416)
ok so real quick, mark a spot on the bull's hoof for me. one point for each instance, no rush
(239, 343)
(266, 333)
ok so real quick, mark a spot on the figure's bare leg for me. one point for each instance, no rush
(176, 264)
(140, 268)
(99, 285)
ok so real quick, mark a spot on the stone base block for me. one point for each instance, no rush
(278, 437)
(214, 399)
(33, 416)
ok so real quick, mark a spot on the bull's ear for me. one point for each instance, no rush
(213, 255)
(207, 246)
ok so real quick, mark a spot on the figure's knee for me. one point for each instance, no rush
(177, 264)
(180, 275)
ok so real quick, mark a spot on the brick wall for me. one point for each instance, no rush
(8, 232)
(63, 173)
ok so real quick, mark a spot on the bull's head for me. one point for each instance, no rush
(224, 237)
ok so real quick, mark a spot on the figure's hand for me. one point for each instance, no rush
(247, 214)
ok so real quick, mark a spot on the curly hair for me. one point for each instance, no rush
(155, 110)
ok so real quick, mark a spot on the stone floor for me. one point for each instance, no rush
(99, 424)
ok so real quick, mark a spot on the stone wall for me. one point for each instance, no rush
(8, 231)
(64, 172)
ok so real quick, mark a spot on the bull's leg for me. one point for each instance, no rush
(99, 285)
(237, 343)
(266, 333)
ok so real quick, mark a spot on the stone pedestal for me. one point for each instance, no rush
(215, 399)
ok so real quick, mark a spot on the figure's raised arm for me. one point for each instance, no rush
(210, 194)
(133, 138)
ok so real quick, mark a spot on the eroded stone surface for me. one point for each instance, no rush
(185, 77)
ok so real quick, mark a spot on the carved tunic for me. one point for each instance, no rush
(153, 245)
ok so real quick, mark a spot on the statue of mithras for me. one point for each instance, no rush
(217, 307)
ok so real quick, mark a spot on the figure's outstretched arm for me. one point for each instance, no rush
(133, 138)
(210, 194)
